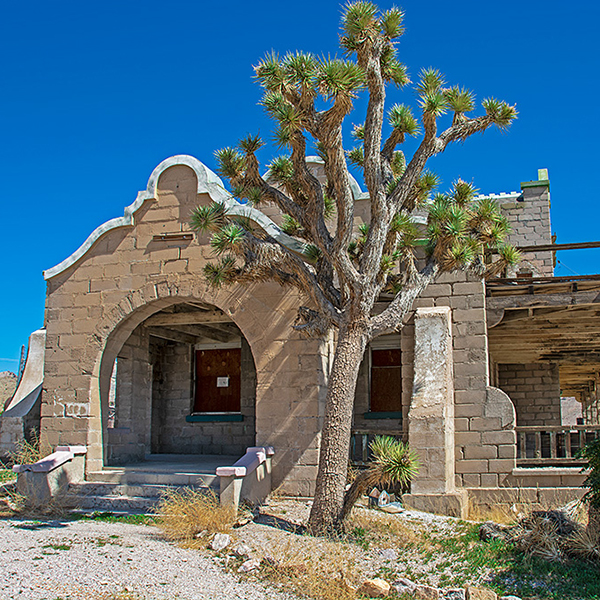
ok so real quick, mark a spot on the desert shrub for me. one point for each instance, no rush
(392, 463)
(185, 512)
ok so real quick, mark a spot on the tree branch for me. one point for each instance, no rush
(391, 318)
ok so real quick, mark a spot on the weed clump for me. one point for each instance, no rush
(185, 513)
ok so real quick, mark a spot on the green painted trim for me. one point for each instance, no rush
(215, 418)
(530, 184)
(383, 415)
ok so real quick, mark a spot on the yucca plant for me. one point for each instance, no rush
(341, 272)
(392, 462)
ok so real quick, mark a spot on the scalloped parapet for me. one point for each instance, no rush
(208, 183)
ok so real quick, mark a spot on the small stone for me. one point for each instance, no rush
(389, 554)
(375, 588)
(241, 523)
(201, 534)
(426, 592)
(249, 565)
(474, 593)
(393, 508)
(404, 586)
(510, 598)
(242, 550)
(457, 594)
(220, 541)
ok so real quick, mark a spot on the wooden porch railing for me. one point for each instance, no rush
(361, 439)
(553, 445)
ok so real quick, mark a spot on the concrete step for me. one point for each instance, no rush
(114, 504)
(122, 476)
(119, 497)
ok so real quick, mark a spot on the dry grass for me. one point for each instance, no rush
(497, 512)
(29, 451)
(383, 530)
(326, 574)
(184, 513)
(14, 504)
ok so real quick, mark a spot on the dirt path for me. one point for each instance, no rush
(89, 560)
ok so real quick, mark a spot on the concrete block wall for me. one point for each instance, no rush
(529, 218)
(534, 389)
(173, 398)
(128, 440)
(94, 305)
(485, 450)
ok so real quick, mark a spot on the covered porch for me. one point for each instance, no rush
(544, 344)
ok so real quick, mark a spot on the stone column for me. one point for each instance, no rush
(431, 416)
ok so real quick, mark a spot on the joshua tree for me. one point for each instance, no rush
(342, 272)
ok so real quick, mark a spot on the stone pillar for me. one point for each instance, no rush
(431, 416)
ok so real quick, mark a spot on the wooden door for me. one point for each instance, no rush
(218, 380)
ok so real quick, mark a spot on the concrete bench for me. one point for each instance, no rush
(249, 479)
(50, 476)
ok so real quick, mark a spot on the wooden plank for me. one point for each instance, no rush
(188, 318)
(174, 336)
(539, 300)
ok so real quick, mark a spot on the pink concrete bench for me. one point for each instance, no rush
(254, 457)
(59, 457)
(248, 479)
(50, 476)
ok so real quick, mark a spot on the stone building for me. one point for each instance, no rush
(143, 358)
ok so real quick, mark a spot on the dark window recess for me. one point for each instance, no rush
(386, 381)
(218, 381)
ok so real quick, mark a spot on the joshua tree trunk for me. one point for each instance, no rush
(327, 511)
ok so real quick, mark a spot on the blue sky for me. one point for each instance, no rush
(96, 94)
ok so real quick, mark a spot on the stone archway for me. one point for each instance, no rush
(124, 328)
(184, 382)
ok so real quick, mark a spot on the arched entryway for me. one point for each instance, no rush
(183, 382)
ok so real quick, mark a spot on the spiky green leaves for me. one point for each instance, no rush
(222, 273)
(208, 218)
(501, 113)
(459, 99)
(290, 226)
(433, 100)
(251, 144)
(312, 253)
(359, 24)
(402, 120)
(281, 170)
(231, 163)
(462, 227)
(229, 238)
(393, 461)
(339, 77)
(358, 132)
(510, 255)
(357, 156)
(392, 23)
(304, 75)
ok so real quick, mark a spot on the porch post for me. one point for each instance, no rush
(431, 416)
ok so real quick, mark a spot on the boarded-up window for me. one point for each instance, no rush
(218, 380)
(386, 381)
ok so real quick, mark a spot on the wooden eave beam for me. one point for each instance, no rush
(188, 318)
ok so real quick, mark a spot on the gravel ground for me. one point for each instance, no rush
(89, 560)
